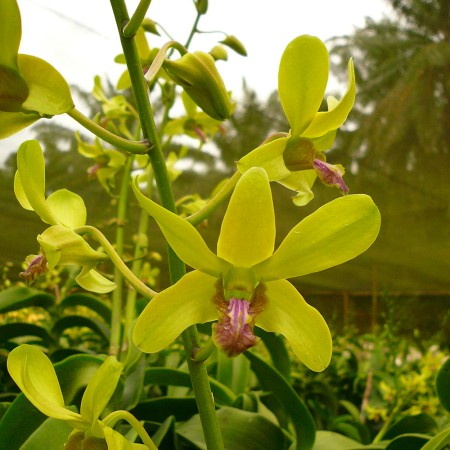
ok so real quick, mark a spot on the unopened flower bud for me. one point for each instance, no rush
(235, 44)
(331, 175)
(197, 74)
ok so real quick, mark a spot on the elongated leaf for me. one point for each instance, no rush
(420, 423)
(88, 301)
(80, 321)
(443, 385)
(439, 442)
(14, 330)
(240, 430)
(233, 372)
(18, 297)
(272, 380)
(327, 440)
(408, 441)
(159, 409)
(51, 435)
(165, 376)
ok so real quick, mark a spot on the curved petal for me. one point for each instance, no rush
(188, 302)
(13, 122)
(49, 92)
(301, 182)
(247, 235)
(92, 281)
(10, 32)
(268, 156)
(33, 372)
(68, 208)
(302, 325)
(337, 232)
(30, 180)
(324, 122)
(302, 79)
(183, 237)
(116, 441)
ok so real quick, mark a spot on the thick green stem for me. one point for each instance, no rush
(131, 28)
(134, 147)
(177, 269)
(117, 260)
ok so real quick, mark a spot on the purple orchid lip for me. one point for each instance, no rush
(36, 267)
(330, 175)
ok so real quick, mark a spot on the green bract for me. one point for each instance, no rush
(302, 80)
(64, 211)
(33, 372)
(246, 269)
(30, 88)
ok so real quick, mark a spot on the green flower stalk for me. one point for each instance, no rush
(297, 158)
(64, 211)
(245, 283)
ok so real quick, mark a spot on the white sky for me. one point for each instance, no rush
(79, 37)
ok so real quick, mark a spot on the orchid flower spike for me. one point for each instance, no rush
(245, 283)
(297, 158)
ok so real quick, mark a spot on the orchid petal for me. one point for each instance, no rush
(100, 389)
(92, 281)
(301, 182)
(248, 229)
(10, 32)
(323, 122)
(302, 79)
(33, 372)
(268, 156)
(116, 441)
(68, 208)
(337, 232)
(30, 180)
(13, 122)
(185, 240)
(302, 325)
(188, 302)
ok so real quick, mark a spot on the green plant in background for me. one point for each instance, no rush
(185, 394)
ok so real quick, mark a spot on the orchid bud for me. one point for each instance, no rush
(235, 44)
(197, 74)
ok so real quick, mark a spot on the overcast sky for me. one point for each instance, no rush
(79, 37)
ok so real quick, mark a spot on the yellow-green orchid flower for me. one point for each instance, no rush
(35, 375)
(295, 159)
(245, 283)
(30, 88)
(64, 211)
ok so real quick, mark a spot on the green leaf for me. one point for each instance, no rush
(183, 237)
(240, 430)
(158, 409)
(438, 442)
(271, 380)
(247, 235)
(165, 376)
(302, 325)
(11, 123)
(233, 372)
(40, 439)
(89, 301)
(186, 303)
(33, 372)
(327, 440)
(71, 321)
(302, 79)
(443, 385)
(13, 330)
(409, 441)
(419, 423)
(337, 232)
(49, 92)
(10, 32)
(18, 297)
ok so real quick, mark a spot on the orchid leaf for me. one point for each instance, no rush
(10, 32)
(337, 232)
(68, 208)
(33, 372)
(268, 156)
(30, 180)
(182, 237)
(13, 122)
(49, 92)
(100, 389)
(247, 235)
(303, 326)
(324, 122)
(175, 309)
(302, 79)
